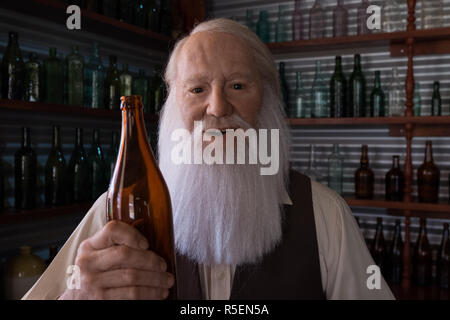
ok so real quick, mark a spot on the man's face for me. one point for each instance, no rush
(216, 76)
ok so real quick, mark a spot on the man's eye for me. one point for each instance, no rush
(197, 90)
(237, 86)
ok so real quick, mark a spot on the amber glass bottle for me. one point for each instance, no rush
(422, 259)
(394, 181)
(428, 177)
(137, 193)
(364, 177)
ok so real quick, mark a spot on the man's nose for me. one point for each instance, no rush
(218, 105)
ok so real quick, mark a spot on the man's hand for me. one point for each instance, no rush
(115, 264)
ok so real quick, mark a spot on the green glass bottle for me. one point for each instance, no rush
(249, 20)
(338, 91)
(94, 81)
(97, 177)
(78, 172)
(110, 8)
(357, 91)
(126, 80)
(153, 15)
(263, 26)
(12, 70)
(319, 107)
(126, 11)
(75, 70)
(112, 85)
(280, 32)
(377, 103)
(335, 170)
(111, 157)
(140, 13)
(140, 88)
(53, 78)
(284, 88)
(25, 173)
(417, 100)
(436, 103)
(55, 170)
(33, 76)
(300, 99)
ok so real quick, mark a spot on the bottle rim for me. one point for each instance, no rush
(131, 102)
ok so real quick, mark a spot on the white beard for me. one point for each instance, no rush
(225, 214)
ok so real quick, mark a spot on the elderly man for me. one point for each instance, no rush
(238, 234)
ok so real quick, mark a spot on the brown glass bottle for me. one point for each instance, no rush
(394, 181)
(443, 260)
(428, 177)
(364, 177)
(378, 247)
(395, 255)
(422, 260)
(138, 194)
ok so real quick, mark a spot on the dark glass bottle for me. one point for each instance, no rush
(422, 259)
(74, 76)
(443, 260)
(126, 80)
(97, 178)
(140, 88)
(126, 11)
(112, 85)
(12, 70)
(33, 76)
(55, 170)
(377, 103)
(94, 81)
(78, 172)
(111, 156)
(25, 173)
(110, 8)
(153, 15)
(436, 103)
(338, 91)
(138, 194)
(140, 13)
(340, 20)
(395, 255)
(395, 181)
(53, 78)
(263, 26)
(364, 177)
(357, 91)
(428, 176)
(166, 18)
(284, 88)
(378, 247)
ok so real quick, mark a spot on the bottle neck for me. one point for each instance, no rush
(357, 62)
(26, 143)
(281, 69)
(79, 137)
(429, 153)
(299, 80)
(377, 80)
(96, 137)
(364, 158)
(395, 162)
(336, 148)
(338, 65)
(56, 137)
(423, 228)
(13, 41)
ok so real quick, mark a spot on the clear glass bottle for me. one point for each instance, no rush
(263, 26)
(316, 21)
(319, 94)
(75, 70)
(335, 170)
(297, 22)
(33, 76)
(436, 102)
(94, 81)
(340, 20)
(396, 90)
(432, 14)
(300, 99)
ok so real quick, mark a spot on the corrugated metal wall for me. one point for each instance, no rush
(381, 146)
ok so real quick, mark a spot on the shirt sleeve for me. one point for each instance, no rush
(52, 283)
(344, 256)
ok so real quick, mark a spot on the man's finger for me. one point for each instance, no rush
(135, 293)
(134, 278)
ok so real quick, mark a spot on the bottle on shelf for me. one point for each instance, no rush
(94, 81)
(33, 79)
(357, 91)
(12, 70)
(97, 169)
(396, 95)
(432, 14)
(126, 80)
(316, 21)
(53, 78)
(78, 172)
(297, 22)
(280, 32)
(362, 16)
(112, 85)
(417, 100)
(422, 259)
(126, 11)
(284, 87)
(394, 181)
(436, 102)
(364, 177)
(443, 260)
(378, 247)
(111, 156)
(338, 91)
(140, 88)
(138, 186)
(335, 170)
(249, 20)
(140, 13)
(300, 99)
(377, 98)
(394, 267)
(319, 95)
(153, 15)
(75, 75)
(55, 170)
(25, 163)
(263, 26)
(340, 20)
(428, 176)
(110, 8)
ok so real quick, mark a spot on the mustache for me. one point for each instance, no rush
(234, 121)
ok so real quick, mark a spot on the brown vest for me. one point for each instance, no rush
(290, 271)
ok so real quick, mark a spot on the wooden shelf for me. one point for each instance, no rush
(61, 109)
(425, 120)
(98, 24)
(11, 215)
